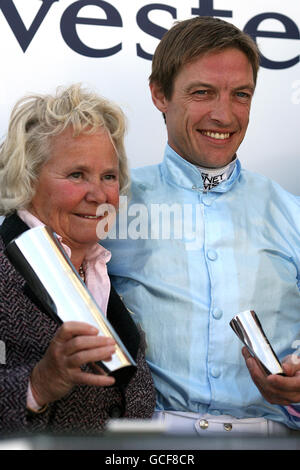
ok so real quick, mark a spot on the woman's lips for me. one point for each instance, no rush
(88, 216)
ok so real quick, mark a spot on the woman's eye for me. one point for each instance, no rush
(110, 177)
(76, 175)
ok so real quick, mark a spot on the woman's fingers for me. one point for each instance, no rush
(81, 343)
(74, 345)
(95, 380)
(80, 350)
(80, 358)
(71, 329)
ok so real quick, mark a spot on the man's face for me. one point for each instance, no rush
(208, 113)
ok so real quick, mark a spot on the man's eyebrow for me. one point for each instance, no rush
(247, 86)
(192, 85)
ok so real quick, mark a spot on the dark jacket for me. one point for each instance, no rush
(26, 331)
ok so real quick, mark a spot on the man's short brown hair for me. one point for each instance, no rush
(189, 39)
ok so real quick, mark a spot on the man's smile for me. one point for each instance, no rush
(217, 135)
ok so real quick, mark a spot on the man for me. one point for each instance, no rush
(232, 244)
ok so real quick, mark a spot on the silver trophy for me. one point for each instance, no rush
(248, 328)
(39, 257)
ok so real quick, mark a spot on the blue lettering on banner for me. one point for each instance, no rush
(291, 32)
(206, 8)
(70, 19)
(151, 28)
(24, 36)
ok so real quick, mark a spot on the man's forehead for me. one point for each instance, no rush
(215, 62)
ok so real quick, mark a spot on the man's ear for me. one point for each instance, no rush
(158, 97)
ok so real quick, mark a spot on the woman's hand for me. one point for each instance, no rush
(74, 345)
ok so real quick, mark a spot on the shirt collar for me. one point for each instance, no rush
(212, 177)
(182, 173)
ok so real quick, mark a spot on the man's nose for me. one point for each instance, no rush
(221, 111)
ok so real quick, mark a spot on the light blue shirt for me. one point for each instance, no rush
(234, 248)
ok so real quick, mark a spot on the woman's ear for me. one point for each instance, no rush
(158, 97)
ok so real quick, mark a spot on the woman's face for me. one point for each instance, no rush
(81, 174)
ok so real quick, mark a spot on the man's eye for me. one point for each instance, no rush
(242, 94)
(201, 92)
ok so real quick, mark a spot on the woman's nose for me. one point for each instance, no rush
(96, 193)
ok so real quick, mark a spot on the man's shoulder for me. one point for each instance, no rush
(267, 192)
(264, 182)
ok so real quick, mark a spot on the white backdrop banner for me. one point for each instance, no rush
(108, 46)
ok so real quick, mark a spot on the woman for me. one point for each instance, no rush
(63, 157)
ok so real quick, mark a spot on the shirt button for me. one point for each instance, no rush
(215, 372)
(207, 202)
(217, 313)
(203, 424)
(227, 426)
(212, 255)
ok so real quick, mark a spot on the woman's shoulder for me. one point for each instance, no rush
(9, 277)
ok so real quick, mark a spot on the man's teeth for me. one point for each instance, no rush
(216, 135)
(90, 216)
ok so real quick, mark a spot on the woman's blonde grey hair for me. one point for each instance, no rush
(37, 118)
